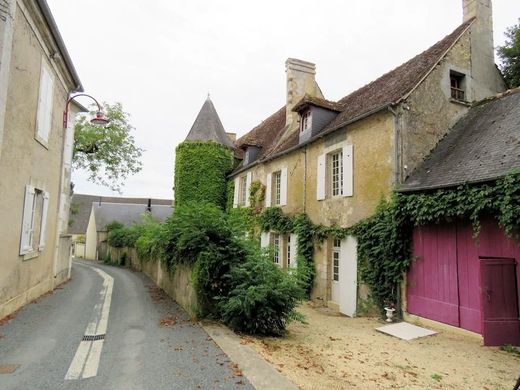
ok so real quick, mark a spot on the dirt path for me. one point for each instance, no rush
(337, 352)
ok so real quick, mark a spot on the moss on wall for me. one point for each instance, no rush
(200, 173)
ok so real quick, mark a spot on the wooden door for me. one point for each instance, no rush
(499, 300)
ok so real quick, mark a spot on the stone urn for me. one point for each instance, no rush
(389, 314)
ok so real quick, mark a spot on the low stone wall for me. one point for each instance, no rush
(176, 283)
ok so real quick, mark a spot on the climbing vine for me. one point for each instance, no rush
(200, 172)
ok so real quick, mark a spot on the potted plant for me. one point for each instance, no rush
(389, 311)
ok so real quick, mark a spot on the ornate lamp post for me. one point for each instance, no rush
(99, 119)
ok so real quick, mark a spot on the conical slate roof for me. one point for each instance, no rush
(207, 126)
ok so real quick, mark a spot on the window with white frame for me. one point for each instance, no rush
(277, 186)
(243, 191)
(288, 251)
(336, 250)
(305, 121)
(336, 173)
(45, 103)
(276, 248)
(34, 220)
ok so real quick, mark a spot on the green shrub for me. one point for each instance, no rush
(263, 298)
(149, 245)
(125, 237)
(114, 225)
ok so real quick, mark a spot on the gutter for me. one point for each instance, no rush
(311, 140)
(47, 14)
(450, 185)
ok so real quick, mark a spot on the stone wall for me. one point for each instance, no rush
(177, 283)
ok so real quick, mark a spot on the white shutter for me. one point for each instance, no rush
(264, 239)
(283, 187)
(268, 190)
(41, 244)
(27, 220)
(237, 189)
(294, 250)
(248, 184)
(320, 180)
(45, 98)
(348, 172)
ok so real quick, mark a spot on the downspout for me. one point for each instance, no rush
(397, 146)
(305, 179)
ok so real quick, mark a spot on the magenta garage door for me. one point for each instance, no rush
(466, 282)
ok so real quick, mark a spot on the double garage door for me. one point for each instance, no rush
(466, 282)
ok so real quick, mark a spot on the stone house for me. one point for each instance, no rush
(81, 207)
(104, 213)
(36, 78)
(335, 160)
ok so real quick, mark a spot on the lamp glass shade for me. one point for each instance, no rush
(99, 119)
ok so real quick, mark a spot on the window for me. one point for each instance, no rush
(243, 191)
(277, 185)
(336, 171)
(276, 246)
(336, 249)
(457, 84)
(45, 100)
(288, 251)
(34, 220)
(305, 121)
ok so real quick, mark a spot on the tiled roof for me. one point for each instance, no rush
(82, 204)
(208, 127)
(387, 89)
(127, 214)
(315, 101)
(482, 146)
(264, 135)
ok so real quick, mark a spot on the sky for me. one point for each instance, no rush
(161, 58)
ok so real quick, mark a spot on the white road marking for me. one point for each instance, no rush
(85, 363)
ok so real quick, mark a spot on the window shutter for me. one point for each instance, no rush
(44, 116)
(248, 184)
(264, 239)
(283, 187)
(320, 180)
(294, 250)
(41, 244)
(348, 171)
(268, 190)
(237, 189)
(27, 220)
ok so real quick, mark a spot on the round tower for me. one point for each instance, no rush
(203, 161)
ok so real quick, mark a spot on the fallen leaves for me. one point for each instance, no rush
(236, 370)
(168, 321)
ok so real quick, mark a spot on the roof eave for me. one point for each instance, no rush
(46, 12)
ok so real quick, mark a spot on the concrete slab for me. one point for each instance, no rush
(405, 331)
(260, 373)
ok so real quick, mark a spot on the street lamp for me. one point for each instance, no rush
(99, 119)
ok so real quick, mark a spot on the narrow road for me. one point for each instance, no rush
(110, 328)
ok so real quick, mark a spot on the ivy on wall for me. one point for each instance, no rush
(384, 240)
(200, 173)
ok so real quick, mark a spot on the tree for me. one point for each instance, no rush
(510, 56)
(108, 152)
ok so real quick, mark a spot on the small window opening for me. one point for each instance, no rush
(457, 84)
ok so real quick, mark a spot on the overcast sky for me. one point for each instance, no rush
(160, 59)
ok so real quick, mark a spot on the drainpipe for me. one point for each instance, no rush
(397, 145)
(305, 179)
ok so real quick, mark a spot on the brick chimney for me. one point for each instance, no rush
(485, 77)
(300, 81)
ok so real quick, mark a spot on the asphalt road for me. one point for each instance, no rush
(144, 340)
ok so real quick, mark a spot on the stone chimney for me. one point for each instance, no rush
(232, 136)
(485, 77)
(300, 81)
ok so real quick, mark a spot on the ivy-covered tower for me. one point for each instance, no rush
(203, 160)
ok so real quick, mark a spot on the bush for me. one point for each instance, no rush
(122, 237)
(149, 245)
(263, 298)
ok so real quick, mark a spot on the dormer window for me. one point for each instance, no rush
(457, 85)
(306, 121)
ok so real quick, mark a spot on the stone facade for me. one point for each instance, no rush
(386, 146)
(27, 161)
